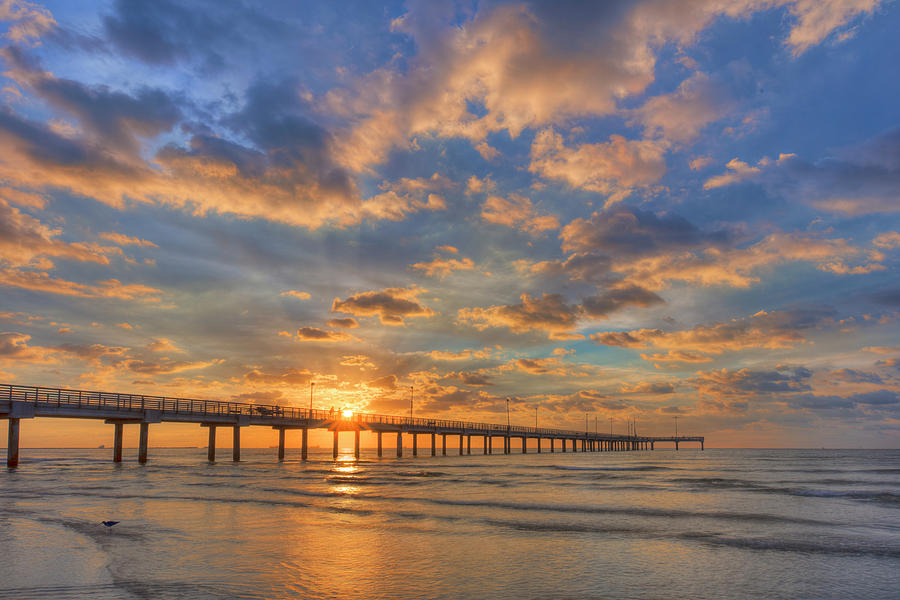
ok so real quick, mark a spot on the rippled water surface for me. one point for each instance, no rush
(663, 524)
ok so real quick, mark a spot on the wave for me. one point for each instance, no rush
(637, 468)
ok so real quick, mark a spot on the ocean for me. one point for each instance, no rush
(623, 525)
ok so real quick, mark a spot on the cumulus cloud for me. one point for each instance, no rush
(528, 65)
(346, 323)
(27, 21)
(550, 313)
(314, 334)
(612, 300)
(516, 211)
(682, 114)
(613, 168)
(391, 305)
(442, 266)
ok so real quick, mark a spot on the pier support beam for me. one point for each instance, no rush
(505, 444)
(461, 444)
(399, 444)
(12, 444)
(539, 445)
(433, 448)
(304, 443)
(415, 444)
(117, 442)
(468, 444)
(281, 444)
(379, 444)
(443, 444)
(490, 444)
(524, 444)
(356, 444)
(236, 444)
(211, 444)
(144, 442)
(334, 447)
(676, 444)
(485, 445)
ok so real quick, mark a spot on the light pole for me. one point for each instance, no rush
(535, 417)
(507, 413)
(410, 401)
(676, 426)
(311, 385)
(585, 424)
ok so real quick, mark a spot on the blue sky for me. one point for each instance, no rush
(631, 210)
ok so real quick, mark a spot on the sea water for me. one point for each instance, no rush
(663, 524)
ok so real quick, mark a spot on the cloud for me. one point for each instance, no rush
(14, 346)
(651, 250)
(887, 240)
(287, 376)
(314, 334)
(466, 354)
(442, 267)
(388, 382)
(473, 379)
(618, 298)
(548, 313)
(28, 21)
(682, 114)
(512, 67)
(360, 361)
(860, 179)
(296, 294)
(647, 387)
(270, 397)
(163, 345)
(125, 240)
(614, 168)
(391, 305)
(346, 323)
(111, 288)
(631, 232)
(27, 242)
(775, 329)
(750, 382)
(516, 212)
(854, 376)
(817, 19)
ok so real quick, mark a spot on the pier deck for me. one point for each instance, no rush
(19, 402)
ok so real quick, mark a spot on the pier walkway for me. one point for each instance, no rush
(18, 402)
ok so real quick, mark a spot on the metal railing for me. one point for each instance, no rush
(47, 397)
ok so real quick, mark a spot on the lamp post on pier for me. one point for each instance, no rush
(410, 402)
(312, 384)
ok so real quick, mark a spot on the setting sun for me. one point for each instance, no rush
(347, 413)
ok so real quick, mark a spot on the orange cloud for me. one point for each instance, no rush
(548, 313)
(314, 334)
(126, 240)
(613, 168)
(517, 212)
(391, 305)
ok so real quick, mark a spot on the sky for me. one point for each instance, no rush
(612, 212)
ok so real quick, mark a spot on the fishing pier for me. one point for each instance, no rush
(20, 402)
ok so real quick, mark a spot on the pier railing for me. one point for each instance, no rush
(71, 398)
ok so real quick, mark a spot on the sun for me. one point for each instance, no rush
(347, 413)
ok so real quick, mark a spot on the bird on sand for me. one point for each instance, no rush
(110, 523)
